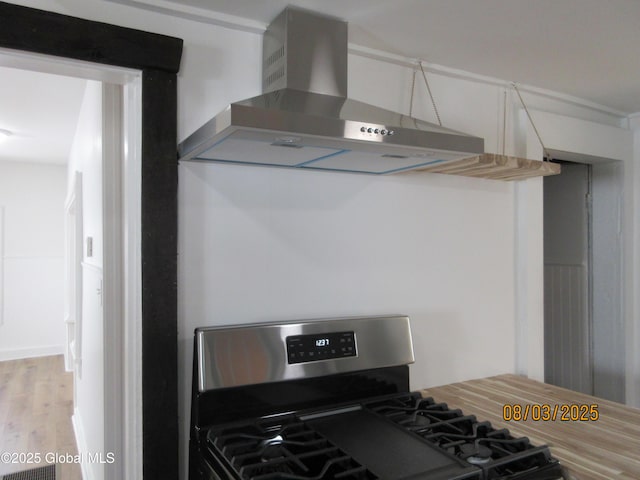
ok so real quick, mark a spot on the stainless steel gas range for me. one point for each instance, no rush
(330, 399)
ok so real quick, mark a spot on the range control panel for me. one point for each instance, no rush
(311, 348)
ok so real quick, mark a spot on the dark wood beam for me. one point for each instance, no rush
(159, 272)
(40, 31)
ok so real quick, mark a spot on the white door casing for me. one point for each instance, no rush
(73, 275)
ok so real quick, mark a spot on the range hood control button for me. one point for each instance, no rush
(380, 131)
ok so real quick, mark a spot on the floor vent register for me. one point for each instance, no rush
(42, 473)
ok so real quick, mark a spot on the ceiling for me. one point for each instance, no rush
(583, 48)
(41, 110)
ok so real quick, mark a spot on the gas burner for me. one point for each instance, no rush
(421, 421)
(416, 413)
(475, 453)
(276, 440)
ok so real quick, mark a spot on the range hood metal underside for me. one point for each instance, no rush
(295, 129)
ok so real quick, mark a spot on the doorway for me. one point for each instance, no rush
(584, 347)
(92, 253)
(157, 59)
(37, 392)
(568, 357)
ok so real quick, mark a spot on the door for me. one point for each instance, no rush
(567, 278)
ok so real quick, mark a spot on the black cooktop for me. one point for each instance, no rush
(397, 438)
(333, 445)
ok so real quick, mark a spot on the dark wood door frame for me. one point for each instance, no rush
(158, 58)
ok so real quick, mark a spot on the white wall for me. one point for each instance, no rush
(31, 301)
(288, 244)
(609, 329)
(86, 157)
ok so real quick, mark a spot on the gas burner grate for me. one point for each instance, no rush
(496, 452)
(285, 448)
(424, 415)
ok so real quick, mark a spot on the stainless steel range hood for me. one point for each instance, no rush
(305, 120)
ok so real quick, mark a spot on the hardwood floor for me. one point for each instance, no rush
(36, 404)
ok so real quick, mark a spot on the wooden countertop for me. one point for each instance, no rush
(607, 448)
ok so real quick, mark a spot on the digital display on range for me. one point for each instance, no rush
(311, 348)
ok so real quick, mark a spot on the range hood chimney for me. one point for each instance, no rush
(305, 120)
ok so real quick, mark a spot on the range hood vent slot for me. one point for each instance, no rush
(285, 144)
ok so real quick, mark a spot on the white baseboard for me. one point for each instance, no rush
(31, 352)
